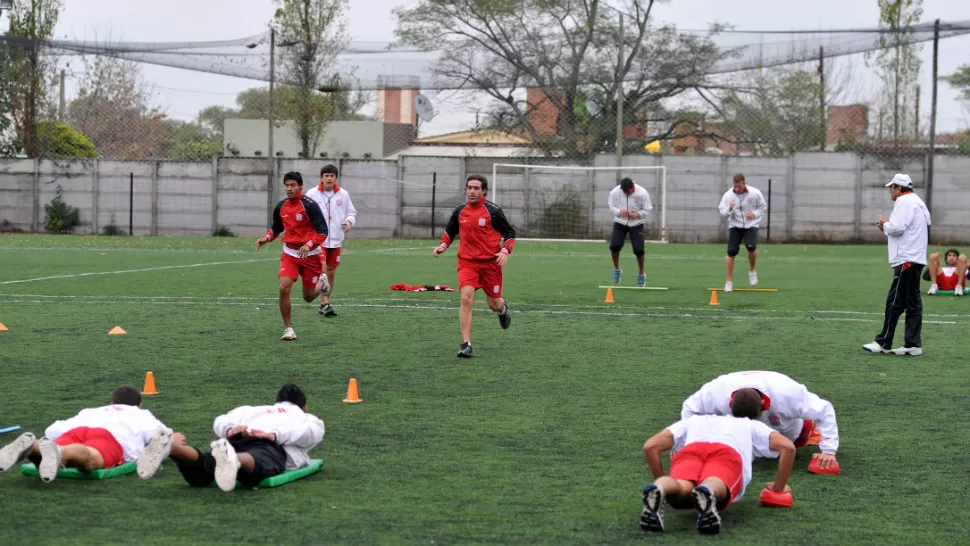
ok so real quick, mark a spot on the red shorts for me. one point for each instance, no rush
(309, 269)
(484, 274)
(807, 428)
(330, 257)
(946, 282)
(701, 460)
(98, 438)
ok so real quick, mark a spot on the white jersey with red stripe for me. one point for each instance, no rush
(131, 426)
(790, 404)
(749, 438)
(296, 431)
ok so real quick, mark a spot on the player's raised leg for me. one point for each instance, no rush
(734, 247)
(637, 242)
(617, 240)
(933, 269)
(962, 266)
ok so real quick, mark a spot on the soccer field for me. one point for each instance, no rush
(535, 440)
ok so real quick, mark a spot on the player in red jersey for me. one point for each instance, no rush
(482, 227)
(304, 230)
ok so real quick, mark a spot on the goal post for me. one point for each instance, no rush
(569, 203)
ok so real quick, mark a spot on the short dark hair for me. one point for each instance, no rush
(293, 175)
(952, 251)
(126, 395)
(480, 178)
(329, 169)
(292, 394)
(626, 184)
(746, 403)
(739, 177)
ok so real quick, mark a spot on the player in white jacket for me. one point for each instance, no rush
(94, 439)
(907, 232)
(630, 205)
(743, 206)
(341, 217)
(789, 407)
(713, 463)
(255, 443)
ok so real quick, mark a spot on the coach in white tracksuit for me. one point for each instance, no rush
(743, 206)
(341, 216)
(789, 407)
(630, 205)
(907, 232)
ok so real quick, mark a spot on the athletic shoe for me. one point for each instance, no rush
(652, 518)
(289, 334)
(465, 350)
(958, 291)
(227, 464)
(641, 281)
(616, 275)
(729, 286)
(326, 310)
(16, 451)
(875, 348)
(154, 453)
(323, 285)
(708, 520)
(50, 460)
(933, 290)
(907, 351)
(753, 278)
(504, 318)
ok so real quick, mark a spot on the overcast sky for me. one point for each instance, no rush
(183, 93)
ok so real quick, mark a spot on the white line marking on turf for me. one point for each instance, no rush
(162, 268)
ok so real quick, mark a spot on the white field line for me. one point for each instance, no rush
(123, 271)
(252, 302)
(183, 250)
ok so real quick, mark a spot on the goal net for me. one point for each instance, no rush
(568, 203)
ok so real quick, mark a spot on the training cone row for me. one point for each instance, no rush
(117, 331)
(3, 328)
(149, 384)
(609, 295)
(352, 396)
(714, 298)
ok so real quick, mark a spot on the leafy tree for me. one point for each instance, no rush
(56, 140)
(898, 61)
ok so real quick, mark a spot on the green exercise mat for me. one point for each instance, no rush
(316, 465)
(74, 474)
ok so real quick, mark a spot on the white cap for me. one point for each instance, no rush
(901, 180)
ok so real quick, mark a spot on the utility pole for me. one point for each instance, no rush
(619, 104)
(272, 159)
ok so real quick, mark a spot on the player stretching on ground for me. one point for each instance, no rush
(482, 226)
(952, 276)
(304, 229)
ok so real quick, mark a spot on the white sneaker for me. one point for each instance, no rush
(50, 460)
(154, 453)
(289, 334)
(907, 351)
(729, 286)
(958, 291)
(227, 464)
(875, 348)
(323, 285)
(753, 278)
(933, 290)
(15, 451)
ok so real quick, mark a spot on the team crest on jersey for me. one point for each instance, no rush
(340, 202)
(774, 420)
(481, 222)
(299, 217)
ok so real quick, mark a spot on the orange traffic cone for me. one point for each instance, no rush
(609, 295)
(3, 328)
(352, 396)
(149, 384)
(117, 331)
(714, 297)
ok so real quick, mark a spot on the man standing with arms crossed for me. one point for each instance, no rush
(341, 216)
(907, 231)
(743, 206)
(482, 226)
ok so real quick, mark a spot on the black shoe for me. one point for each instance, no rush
(504, 318)
(465, 351)
(326, 310)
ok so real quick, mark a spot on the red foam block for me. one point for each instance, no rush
(773, 499)
(814, 468)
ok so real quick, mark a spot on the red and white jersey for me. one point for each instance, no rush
(947, 279)
(336, 207)
(296, 431)
(749, 438)
(131, 426)
(791, 403)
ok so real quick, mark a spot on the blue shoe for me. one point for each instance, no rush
(708, 520)
(616, 275)
(652, 518)
(641, 281)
